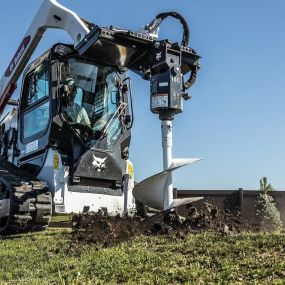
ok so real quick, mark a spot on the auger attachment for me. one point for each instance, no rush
(167, 87)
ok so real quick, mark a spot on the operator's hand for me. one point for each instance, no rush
(85, 131)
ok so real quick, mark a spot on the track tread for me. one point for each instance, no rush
(31, 201)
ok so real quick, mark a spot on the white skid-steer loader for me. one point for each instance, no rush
(65, 143)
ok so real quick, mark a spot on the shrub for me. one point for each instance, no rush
(267, 215)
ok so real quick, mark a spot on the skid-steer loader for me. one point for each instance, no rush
(65, 143)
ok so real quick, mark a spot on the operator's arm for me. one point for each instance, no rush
(84, 119)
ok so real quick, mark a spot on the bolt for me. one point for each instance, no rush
(157, 45)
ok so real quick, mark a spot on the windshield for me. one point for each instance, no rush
(92, 102)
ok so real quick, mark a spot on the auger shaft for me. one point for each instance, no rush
(166, 131)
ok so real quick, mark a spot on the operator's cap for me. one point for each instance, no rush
(70, 81)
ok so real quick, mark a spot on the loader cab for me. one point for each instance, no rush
(72, 105)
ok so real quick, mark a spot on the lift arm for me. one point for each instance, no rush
(50, 15)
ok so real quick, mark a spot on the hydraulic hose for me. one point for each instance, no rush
(190, 82)
(155, 23)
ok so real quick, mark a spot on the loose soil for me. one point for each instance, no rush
(100, 227)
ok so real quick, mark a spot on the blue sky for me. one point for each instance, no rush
(236, 119)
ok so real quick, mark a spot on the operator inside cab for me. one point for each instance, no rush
(75, 112)
(92, 103)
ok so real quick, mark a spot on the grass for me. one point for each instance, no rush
(52, 257)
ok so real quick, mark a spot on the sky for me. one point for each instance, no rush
(236, 118)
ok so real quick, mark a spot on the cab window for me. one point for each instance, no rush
(93, 103)
(36, 102)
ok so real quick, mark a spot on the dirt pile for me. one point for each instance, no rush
(209, 217)
(95, 227)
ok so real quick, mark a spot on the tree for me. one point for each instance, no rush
(267, 214)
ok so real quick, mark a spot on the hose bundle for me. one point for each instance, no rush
(155, 23)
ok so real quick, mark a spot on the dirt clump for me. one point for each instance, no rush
(100, 227)
(209, 217)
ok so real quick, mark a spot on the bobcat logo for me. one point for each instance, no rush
(99, 163)
(158, 56)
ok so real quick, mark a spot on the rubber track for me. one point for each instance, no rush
(31, 201)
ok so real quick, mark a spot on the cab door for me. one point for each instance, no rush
(35, 116)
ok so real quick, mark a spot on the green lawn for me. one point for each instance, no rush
(52, 258)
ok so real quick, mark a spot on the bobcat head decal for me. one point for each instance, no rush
(99, 163)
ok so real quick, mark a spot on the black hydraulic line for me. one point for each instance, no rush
(154, 24)
(190, 82)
